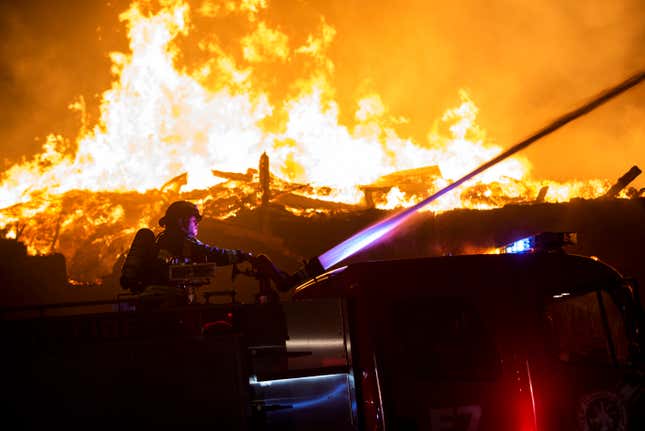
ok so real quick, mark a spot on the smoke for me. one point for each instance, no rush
(52, 54)
(522, 62)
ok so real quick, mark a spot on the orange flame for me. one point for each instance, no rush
(161, 119)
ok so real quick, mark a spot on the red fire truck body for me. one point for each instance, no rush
(539, 341)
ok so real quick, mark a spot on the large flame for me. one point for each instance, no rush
(163, 118)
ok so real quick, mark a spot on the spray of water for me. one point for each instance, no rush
(377, 231)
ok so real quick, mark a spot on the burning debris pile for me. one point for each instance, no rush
(170, 130)
(94, 229)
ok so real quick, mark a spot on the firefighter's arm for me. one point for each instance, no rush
(219, 256)
(284, 281)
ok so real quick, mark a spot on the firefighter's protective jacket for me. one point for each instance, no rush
(173, 244)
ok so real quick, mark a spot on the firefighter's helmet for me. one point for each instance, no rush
(177, 210)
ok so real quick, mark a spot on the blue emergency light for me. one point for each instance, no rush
(541, 242)
(523, 245)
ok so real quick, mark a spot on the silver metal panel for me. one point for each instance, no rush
(317, 338)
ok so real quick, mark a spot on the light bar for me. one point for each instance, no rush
(523, 245)
(542, 242)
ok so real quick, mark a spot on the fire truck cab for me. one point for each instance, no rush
(517, 341)
(528, 340)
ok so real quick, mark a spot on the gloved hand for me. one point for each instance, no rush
(263, 265)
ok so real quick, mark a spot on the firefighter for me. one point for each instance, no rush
(179, 241)
(146, 268)
(178, 244)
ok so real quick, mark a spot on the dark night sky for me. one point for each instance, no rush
(524, 62)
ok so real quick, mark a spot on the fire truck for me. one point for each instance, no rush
(529, 339)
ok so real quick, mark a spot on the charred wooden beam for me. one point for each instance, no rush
(52, 248)
(290, 189)
(542, 194)
(265, 180)
(175, 183)
(369, 191)
(236, 176)
(310, 204)
(623, 181)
